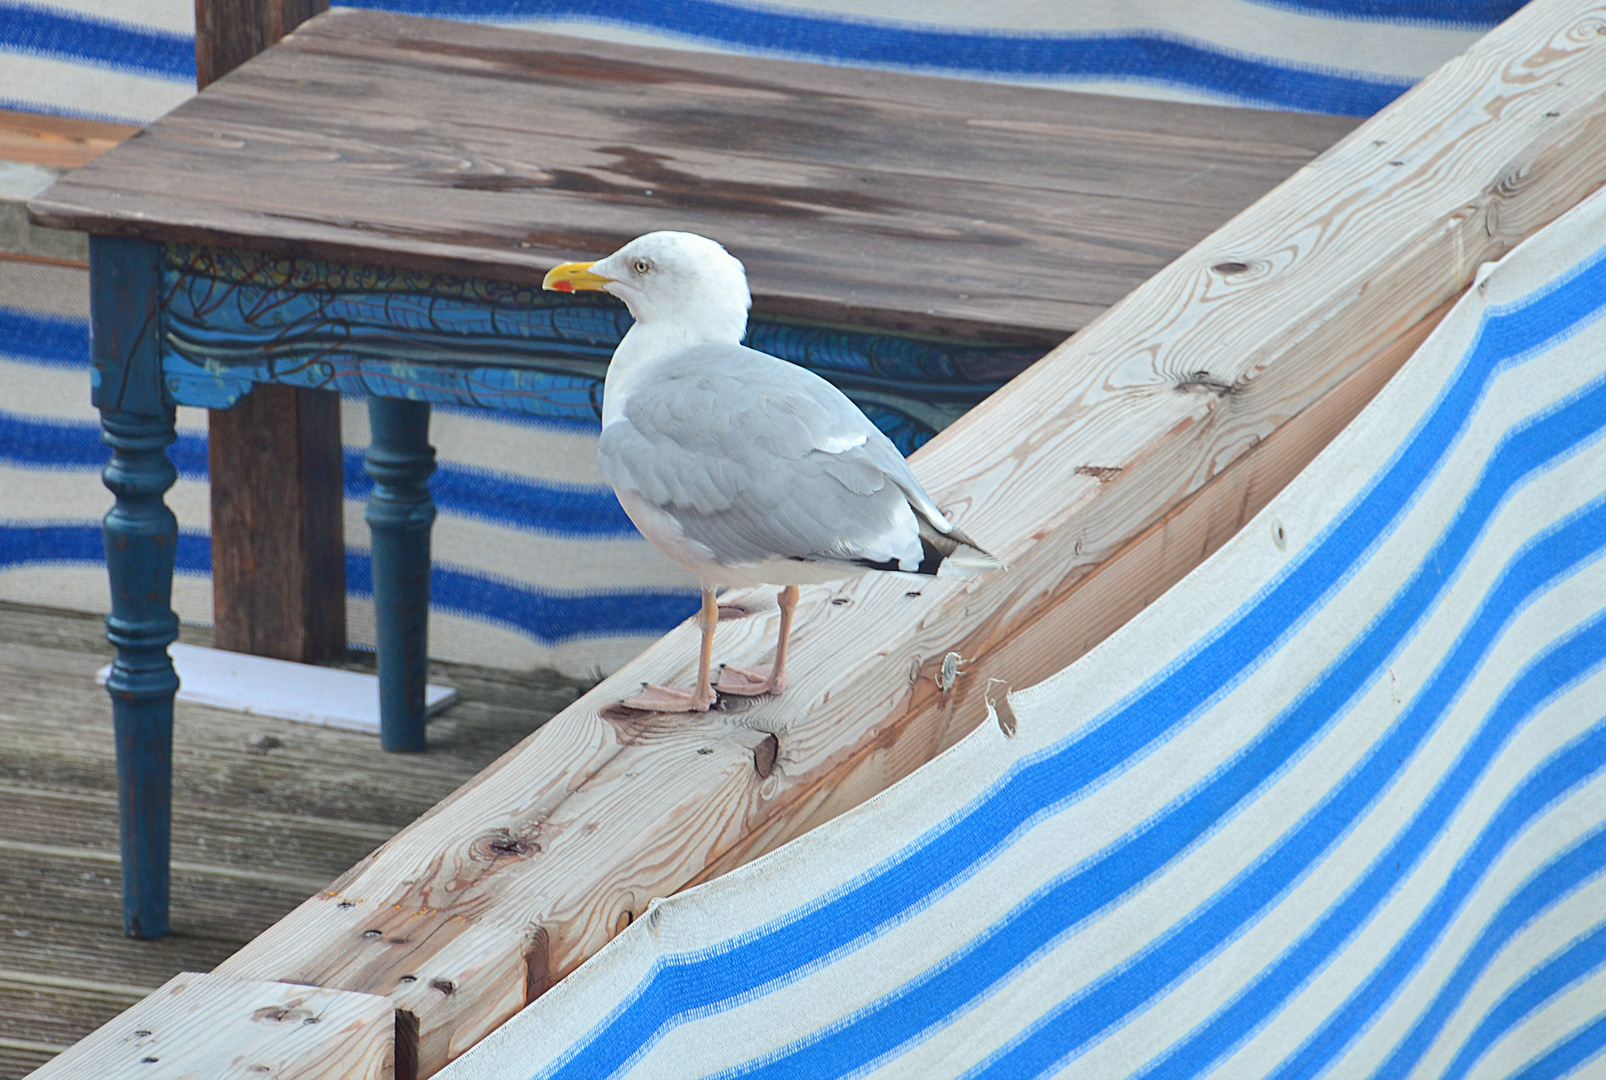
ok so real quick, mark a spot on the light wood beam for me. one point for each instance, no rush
(215, 1026)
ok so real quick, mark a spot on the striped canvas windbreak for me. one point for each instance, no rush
(132, 61)
(1335, 805)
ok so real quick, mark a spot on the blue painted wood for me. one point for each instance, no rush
(141, 536)
(237, 317)
(400, 513)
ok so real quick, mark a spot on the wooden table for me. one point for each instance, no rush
(370, 205)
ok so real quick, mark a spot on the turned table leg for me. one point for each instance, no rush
(141, 535)
(399, 514)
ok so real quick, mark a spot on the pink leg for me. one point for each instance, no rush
(751, 682)
(655, 698)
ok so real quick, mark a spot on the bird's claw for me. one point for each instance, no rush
(750, 682)
(666, 699)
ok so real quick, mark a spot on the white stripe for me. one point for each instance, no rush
(453, 638)
(174, 16)
(40, 84)
(43, 289)
(554, 454)
(459, 639)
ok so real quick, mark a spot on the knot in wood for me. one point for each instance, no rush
(501, 844)
(281, 1014)
(1203, 380)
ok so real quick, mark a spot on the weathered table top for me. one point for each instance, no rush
(896, 201)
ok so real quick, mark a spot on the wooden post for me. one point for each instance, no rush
(141, 537)
(230, 32)
(278, 546)
(400, 513)
(278, 541)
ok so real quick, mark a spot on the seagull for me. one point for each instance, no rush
(741, 467)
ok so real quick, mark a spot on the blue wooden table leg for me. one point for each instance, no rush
(400, 513)
(141, 535)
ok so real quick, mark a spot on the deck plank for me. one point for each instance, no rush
(265, 813)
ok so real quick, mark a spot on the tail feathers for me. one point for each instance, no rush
(951, 553)
(967, 560)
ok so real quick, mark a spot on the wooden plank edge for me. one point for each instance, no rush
(214, 1025)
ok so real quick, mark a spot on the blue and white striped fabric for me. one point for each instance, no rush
(536, 564)
(1334, 805)
(128, 61)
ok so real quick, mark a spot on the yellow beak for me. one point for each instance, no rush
(571, 276)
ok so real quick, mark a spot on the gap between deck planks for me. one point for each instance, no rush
(265, 813)
(1103, 474)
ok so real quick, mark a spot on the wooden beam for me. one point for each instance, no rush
(1103, 474)
(278, 554)
(274, 460)
(215, 1026)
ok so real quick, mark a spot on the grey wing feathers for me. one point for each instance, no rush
(758, 459)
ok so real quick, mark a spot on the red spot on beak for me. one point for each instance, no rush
(563, 286)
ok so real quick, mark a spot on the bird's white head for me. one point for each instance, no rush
(674, 278)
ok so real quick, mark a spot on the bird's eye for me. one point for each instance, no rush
(640, 266)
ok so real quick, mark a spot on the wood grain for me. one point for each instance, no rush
(230, 32)
(278, 538)
(1103, 474)
(870, 198)
(61, 142)
(214, 1026)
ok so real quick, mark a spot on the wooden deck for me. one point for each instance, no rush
(265, 812)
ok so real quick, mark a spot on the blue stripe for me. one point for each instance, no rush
(1470, 14)
(957, 848)
(529, 506)
(64, 444)
(1571, 1052)
(1558, 552)
(1554, 881)
(1144, 57)
(51, 108)
(1576, 961)
(85, 39)
(44, 339)
(547, 617)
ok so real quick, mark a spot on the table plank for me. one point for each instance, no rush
(898, 201)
